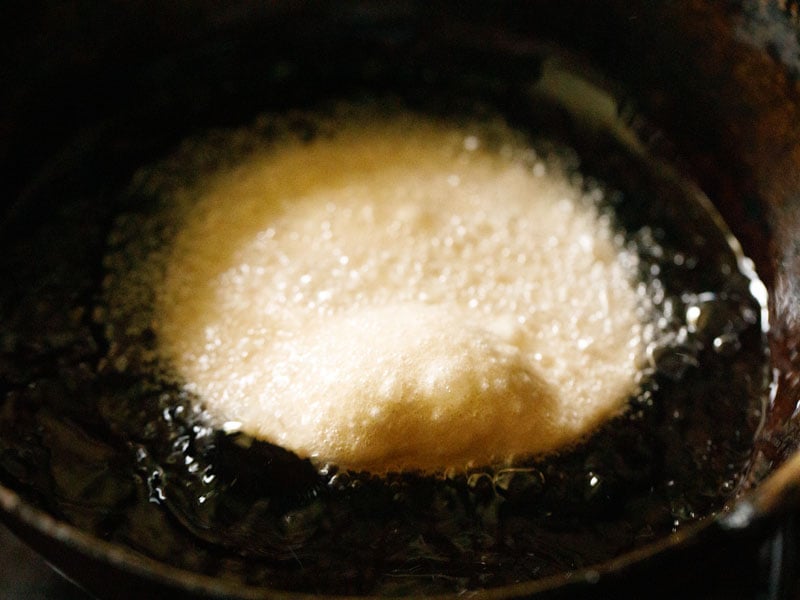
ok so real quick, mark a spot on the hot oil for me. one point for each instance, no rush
(92, 429)
(674, 457)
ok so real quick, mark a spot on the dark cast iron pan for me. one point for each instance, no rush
(718, 80)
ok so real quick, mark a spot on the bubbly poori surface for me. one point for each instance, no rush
(401, 293)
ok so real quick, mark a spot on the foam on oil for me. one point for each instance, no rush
(398, 293)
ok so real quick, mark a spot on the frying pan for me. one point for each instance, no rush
(94, 92)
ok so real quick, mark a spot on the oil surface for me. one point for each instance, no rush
(93, 430)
